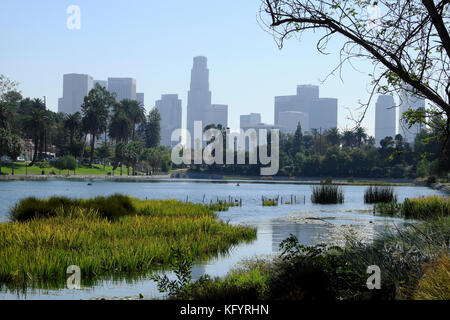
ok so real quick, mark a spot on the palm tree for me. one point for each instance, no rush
(120, 127)
(95, 109)
(360, 136)
(35, 124)
(348, 138)
(72, 123)
(333, 136)
(135, 111)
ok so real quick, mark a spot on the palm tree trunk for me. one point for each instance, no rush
(82, 149)
(36, 142)
(92, 150)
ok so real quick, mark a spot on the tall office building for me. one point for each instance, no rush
(199, 96)
(409, 102)
(323, 114)
(385, 118)
(75, 88)
(140, 97)
(249, 119)
(124, 88)
(103, 83)
(289, 120)
(217, 114)
(169, 107)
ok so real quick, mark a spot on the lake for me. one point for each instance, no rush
(311, 223)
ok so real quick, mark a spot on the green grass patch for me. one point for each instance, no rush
(36, 252)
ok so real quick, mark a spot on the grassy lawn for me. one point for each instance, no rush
(37, 250)
(97, 169)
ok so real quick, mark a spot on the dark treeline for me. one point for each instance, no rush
(351, 153)
(127, 135)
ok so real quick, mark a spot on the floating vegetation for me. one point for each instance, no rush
(270, 202)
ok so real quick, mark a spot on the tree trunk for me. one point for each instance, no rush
(12, 169)
(92, 150)
(82, 150)
(36, 142)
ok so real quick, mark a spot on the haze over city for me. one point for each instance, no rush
(247, 70)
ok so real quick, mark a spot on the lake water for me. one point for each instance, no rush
(309, 222)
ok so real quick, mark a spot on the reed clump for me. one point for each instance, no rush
(327, 194)
(426, 208)
(377, 194)
(37, 251)
(269, 202)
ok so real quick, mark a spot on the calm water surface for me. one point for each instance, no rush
(310, 223)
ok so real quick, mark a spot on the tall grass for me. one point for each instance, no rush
(37, 251)
(426, 208)
(327, 194)
(376, 194)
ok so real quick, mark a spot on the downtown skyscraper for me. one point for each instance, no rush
(199, 96)
(385, 118)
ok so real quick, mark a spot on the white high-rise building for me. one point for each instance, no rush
(217, 114)
(289, 120)
(124, 88)
(140, 97)
(199, 96)
(249, 119)
(409, 102)
(75, 88)
(385, 118)
(169, 108)
(323, 114)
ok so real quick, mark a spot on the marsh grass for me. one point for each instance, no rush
(36, 252)
(327, 194)
(378, 194)
(388, 208)
(334, 273)
(426, 208)
(269, 202)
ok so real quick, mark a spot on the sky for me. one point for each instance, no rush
(155, 42)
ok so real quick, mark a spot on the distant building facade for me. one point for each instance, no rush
(385, 118)
(249, 119)
(409, 102)
(169, 108)
(123, 88)
(75, 88)
(217, 114)
(313, 111)
(140, 98)
(289, 120)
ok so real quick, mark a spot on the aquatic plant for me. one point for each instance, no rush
(376, 194)
(327, 194)
(426, 208)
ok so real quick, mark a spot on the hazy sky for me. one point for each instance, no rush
(155, 41)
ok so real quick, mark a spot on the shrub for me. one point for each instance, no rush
(374, 194)
(327, 194)
(431, 180)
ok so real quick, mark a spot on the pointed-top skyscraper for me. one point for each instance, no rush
(199, 96)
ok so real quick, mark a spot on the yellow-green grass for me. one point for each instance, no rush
(97, 169)
(37, 252)
(426, 208)
(435, 284)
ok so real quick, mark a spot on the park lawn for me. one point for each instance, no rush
(97, 169)
(36, 252)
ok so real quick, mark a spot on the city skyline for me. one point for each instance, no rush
(247, 74)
